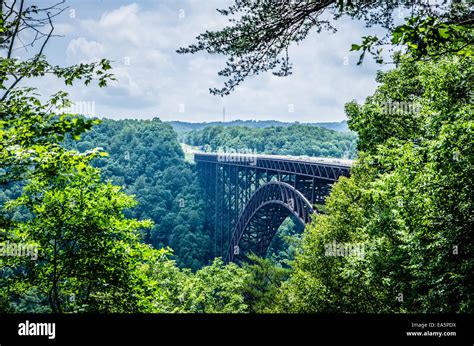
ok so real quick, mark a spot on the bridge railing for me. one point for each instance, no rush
(229, 183)
(321, 168)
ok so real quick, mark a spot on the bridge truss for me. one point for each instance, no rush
(247, 199)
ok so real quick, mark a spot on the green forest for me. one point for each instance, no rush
(105, 216)
(183, 127)
(146, 160)
(292, 140)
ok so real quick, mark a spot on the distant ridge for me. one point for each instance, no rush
(181, 126)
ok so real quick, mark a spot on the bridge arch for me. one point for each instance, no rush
(263, 214)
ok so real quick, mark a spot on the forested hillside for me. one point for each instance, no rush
(408, 203)
(146, 159)
(416, 235)
(291, 140)
(182, 126)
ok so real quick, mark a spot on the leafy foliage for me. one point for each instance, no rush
(428, 37)
(262, 284)
(292, 140)
(146, 158)
(408, 202)
(182, 127)
(89, 255)
(261, 33)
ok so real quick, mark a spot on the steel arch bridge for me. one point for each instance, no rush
(247, 197)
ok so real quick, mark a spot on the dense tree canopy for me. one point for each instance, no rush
(146, 158)
(408, 203)
(183, 127)
(81, 254)
(90, 255)
(291, 140)
(407, 206)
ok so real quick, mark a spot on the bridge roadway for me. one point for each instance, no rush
(248, 196)
(318, 167)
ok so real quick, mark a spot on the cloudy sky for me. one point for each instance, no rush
(141, 38)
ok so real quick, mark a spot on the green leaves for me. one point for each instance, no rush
(218, 288)
(408, 202)
(260, 34)
(431, 37)
(89, 248)
(291, 140)
(367, 45)
(146, 158)
(54, 212)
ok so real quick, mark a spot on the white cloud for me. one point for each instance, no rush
(63, 29)
(83, 50)
(141, 39)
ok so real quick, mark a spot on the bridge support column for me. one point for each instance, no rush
(232, 189)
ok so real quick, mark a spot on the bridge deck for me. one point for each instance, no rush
(305, 159)
(247, 196)
(318, 167)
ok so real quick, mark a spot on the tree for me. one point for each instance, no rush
(30, 130)
(218, 288)
(262, 284)
(90, 255)
(261, 32)
(290, 140)
(146, 158)
(407, 204)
